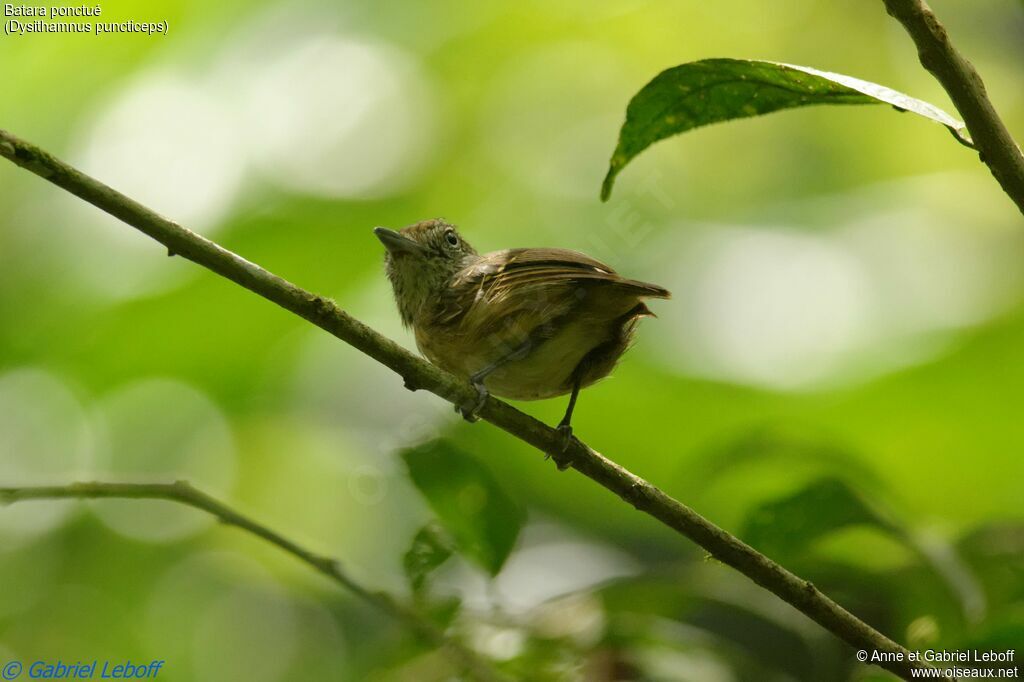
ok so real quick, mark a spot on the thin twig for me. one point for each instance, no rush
(184, 493)
(995, 145)
(420, 374)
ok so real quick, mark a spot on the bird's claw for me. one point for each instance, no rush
(565, 440)
(471, 413)
(565, 434)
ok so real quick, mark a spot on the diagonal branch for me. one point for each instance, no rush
(183, 493)
(995, 145)
(420, 374)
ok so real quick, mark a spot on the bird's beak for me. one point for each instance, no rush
(396, 242)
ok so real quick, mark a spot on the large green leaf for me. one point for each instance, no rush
(785, 527)
(713, 90)
(468, 501)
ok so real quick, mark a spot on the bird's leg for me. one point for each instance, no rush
(471, 413)
(564, 428)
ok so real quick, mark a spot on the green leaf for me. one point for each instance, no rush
(469, 502)
(713, 90)
(430, 548)
(786, 526)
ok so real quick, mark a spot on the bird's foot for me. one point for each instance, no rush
(565, 434)
(565, 439)
(471, 411)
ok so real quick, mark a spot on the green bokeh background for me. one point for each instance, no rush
(119, 363)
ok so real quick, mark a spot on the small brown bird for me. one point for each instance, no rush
(524, 324)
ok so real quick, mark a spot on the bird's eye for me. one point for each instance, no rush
(451, 238)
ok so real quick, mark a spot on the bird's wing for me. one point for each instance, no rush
(528, 288)
(502, 274)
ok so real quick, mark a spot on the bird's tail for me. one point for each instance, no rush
(645, 289)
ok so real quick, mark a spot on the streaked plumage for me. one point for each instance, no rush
(545, 320)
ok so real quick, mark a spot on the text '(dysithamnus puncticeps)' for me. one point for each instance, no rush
(25, 20)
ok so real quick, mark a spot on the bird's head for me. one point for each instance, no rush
(421, 261)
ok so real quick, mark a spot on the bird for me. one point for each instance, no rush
(521, 323)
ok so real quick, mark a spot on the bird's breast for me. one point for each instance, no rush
(544, 371)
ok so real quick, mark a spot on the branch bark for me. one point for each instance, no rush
(995, 145)
(184, 493)
(420, 374)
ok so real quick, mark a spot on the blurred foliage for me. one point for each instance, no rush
(482, 519)
(783, 527)
(430, 548)
(875, 416)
